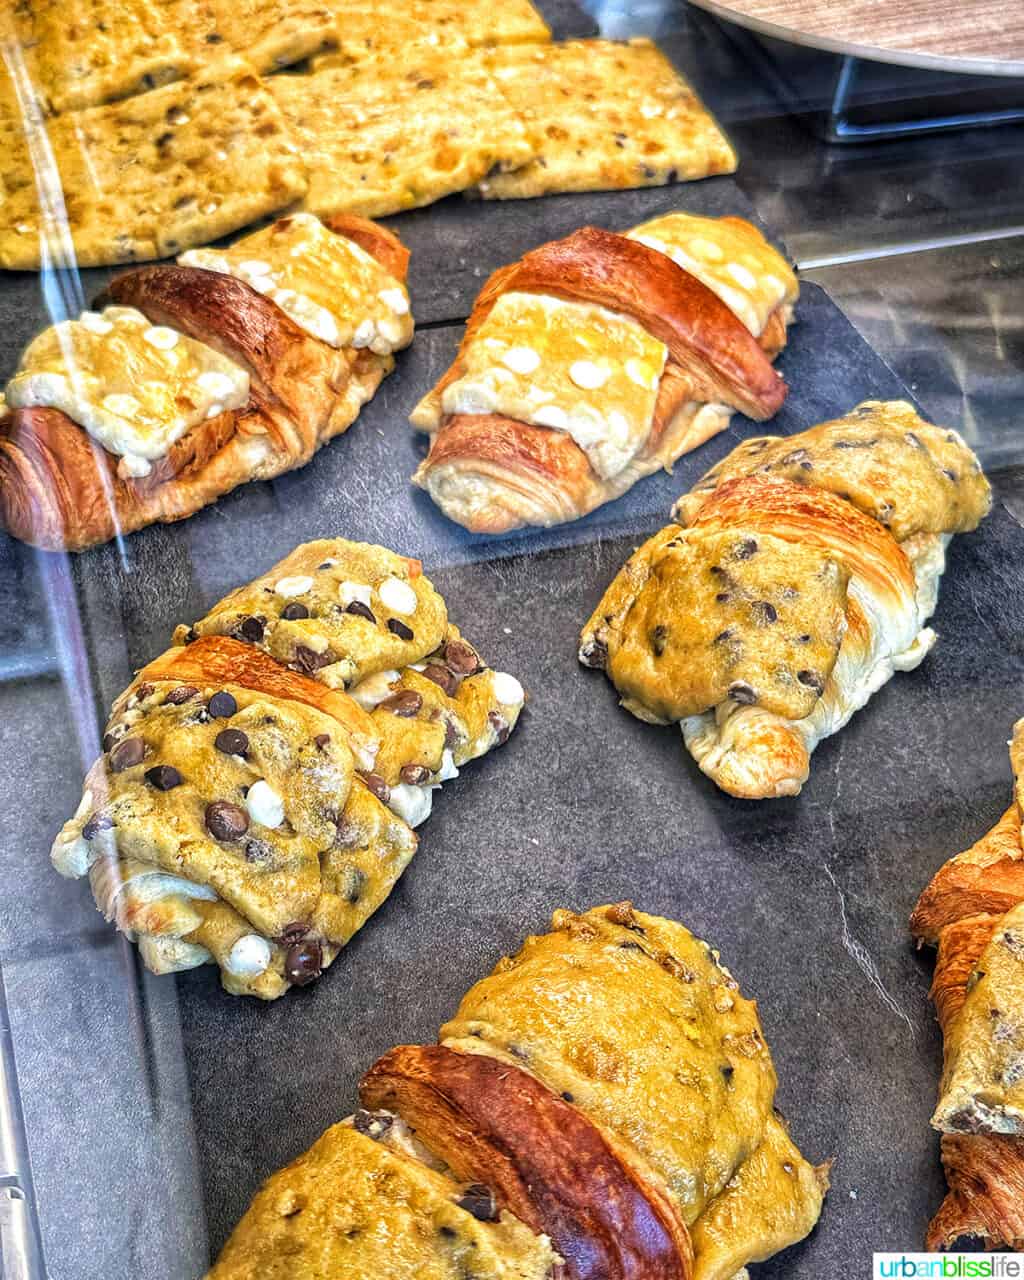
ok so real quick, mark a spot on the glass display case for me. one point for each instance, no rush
(141, 1111)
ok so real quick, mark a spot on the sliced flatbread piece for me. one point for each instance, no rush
(383, 135)
(92, 51)
(149, 176)
(604, 115)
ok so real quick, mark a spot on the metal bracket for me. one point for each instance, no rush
(839, 129)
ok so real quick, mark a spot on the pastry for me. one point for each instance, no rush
(385, 132)
(234, 365)
(604, 114)
(797, 578)
(973, 912)
(606, 1094)
(250, 812)
(149, 176)
(597, 359)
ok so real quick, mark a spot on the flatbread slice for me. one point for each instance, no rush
(604, 115)
(149, 176)
(382, 135)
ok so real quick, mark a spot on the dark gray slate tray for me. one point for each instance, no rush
(154, 1108)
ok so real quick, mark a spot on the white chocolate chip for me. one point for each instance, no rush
(249, 957)
(287, 588)
(216, 384)
(161, 337)
(397, 595)
(521, 359)
(588, 375)
(374, 689)
(549, 415)
(507, 690)
(94, 322)
(396, 300)
(448, 769)
(349, 591)
(264, 805)
(706, 249)
(741, 275)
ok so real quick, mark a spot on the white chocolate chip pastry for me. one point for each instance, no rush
(237, 814)
(783, 597)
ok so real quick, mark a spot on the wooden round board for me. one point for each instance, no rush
(984, 37)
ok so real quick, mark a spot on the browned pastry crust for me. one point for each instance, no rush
(545, 1161)
(59, 489)
(712, 359)
(985, 1173)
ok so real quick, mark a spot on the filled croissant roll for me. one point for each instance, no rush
(247, 809)
(797, 577)
(595, 360)
(234, 364)
(599, 1108)
(973, 912)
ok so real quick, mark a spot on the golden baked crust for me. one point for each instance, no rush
(602, 114)
(882, 457)
(350, 1208)
(646, 996)
(337, 644)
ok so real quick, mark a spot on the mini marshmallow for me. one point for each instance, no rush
(289, 587)
(249, 957)
(507, 690)
(397, 595)
(264, 805)
(374, 689)
(349, 591)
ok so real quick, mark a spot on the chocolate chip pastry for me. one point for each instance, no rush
(601, 1106)
(234, 364)
(973, 912)
(797, 577)
(249, 811)
(595, 360)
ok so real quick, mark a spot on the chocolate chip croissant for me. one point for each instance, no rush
(235, 364)
(973, 912)
(596, 360)
(797, 577)
(599, 1107)
(247, 808)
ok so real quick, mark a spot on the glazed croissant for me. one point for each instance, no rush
(797, 578)
(597, 359)
(247, 809)
(599, 1107)
(973, 912)
(235, 364)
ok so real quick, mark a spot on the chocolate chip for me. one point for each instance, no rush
(258, 852)
(327, 564)
(321, 740)
(442, 677)
(723, 597)
(142, 692)
(406, 703)
(414, 774)
(361, 610)
(375, 783)
(233, 742)
(226, 821)
(658, 637)
(952, 475)
(743, 693)
(745, 549)
(728, 1071)
(355, 883)
(97, 823)
(127, 754)
(567, 1096)
(462, 658)
(292, 933)
(303, 963)
(500, 726)
(308, 660)
(164, 777)
(812, 679)
(452, 734)
(293, 611)
(804, 639)
(183, 693)
(191, 635)
(764, 612)
(911, 438)
(723, 637)
(630, 946)
(798, 458)
(479, 1201)
(855, 444)
(372, 1124)
(109, 742)
(250, 629)
(347, 834)
(222, 705)
(400, 629)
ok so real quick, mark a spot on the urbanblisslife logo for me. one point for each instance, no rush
(954, 1266)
